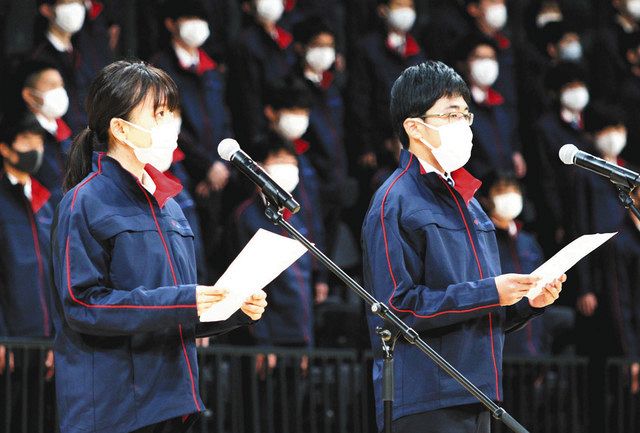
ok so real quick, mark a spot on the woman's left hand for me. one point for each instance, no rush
(254, 306)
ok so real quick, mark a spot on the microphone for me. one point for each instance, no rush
(569, 154)
(229, 150)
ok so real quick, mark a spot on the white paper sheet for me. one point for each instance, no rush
(264, 257)
(566, 258)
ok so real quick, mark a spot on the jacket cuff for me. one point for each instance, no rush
(187, 296)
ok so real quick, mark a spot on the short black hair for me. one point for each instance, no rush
(290, 92)
(272, 144)
(306, 30)
(29, 72)
(553, 32)
(469, 43)
(418, 88)
(565, 73)
(175, 9)
(600, 115)
(13, 125)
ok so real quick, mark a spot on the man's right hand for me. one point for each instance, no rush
(513, 287)
(587, 304)
(207, 296)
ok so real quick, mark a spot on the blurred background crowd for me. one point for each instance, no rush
(304, 86)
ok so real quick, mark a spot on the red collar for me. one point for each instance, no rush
(63, 131)
(95, 10)
(411, 47)
(39, 195)
(166, 188)
(327, 80)
(284, 38)
(172, 176)
(503, 41)
(301, 146)
(465, 184)
(178, 155)
(493, 98)
(206, 63)
(289, 5)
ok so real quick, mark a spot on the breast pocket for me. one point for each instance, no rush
(138, 255)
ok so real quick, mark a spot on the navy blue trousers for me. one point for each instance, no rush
(460, 419)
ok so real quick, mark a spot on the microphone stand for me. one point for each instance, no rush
(409, 334)
(624, 194)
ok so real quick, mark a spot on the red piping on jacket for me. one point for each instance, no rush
(36, 245)
(393, 278)
(475, 253)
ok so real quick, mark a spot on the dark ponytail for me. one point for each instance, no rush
(114, 93)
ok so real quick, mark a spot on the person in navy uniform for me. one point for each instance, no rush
(430, 253)
(25, 224)
(495, 126)
(126, 298)
(262, 56)
(43, 94)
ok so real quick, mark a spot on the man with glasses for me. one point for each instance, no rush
(430, 253)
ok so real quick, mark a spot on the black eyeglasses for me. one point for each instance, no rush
(453, 117)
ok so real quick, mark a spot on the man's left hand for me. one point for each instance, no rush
(549, 293)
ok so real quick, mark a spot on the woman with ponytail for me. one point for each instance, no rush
(126, 299)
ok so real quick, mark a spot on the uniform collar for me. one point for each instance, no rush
(464, 183)
(37, 194)
(282, 37)
(165, 187)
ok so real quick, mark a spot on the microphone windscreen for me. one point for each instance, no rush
(227, 148)
(568, 153)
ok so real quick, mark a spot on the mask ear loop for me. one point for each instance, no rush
(422, 140)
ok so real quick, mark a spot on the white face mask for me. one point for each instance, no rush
(320, 58)
(55, 103)
(194, 32)
(496, 16)
(548, 17)
(575, 99)
(164, 140)
(269, 10)
(571, 52)
(285, 175)
(401, 19)
(507, 206)
(456, 142)
(70, 17)
(633, 6)
(293, 126)
(484, 71)
(611, 143)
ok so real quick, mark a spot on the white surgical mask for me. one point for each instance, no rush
(269, 10)
(164, 140)
(496, 16)
(611, 143)
(194, 32)
(548, 17)
(507, 206)
(633, 6)
(484, 71)
(401, 19)
(285, 175)
(55, 103)
(293, 126)
(456, 142)
(575, 99)
(320, 58)
(571, 52)
(70, 17)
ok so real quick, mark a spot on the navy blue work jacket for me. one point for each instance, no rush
(125, 304)
(430, 253)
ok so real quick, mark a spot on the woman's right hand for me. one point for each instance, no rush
(207, 296)
(513, 287)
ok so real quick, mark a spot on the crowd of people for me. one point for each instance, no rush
(304, 86)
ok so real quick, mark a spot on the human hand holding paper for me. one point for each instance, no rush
(565, 259)
(264, 257)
